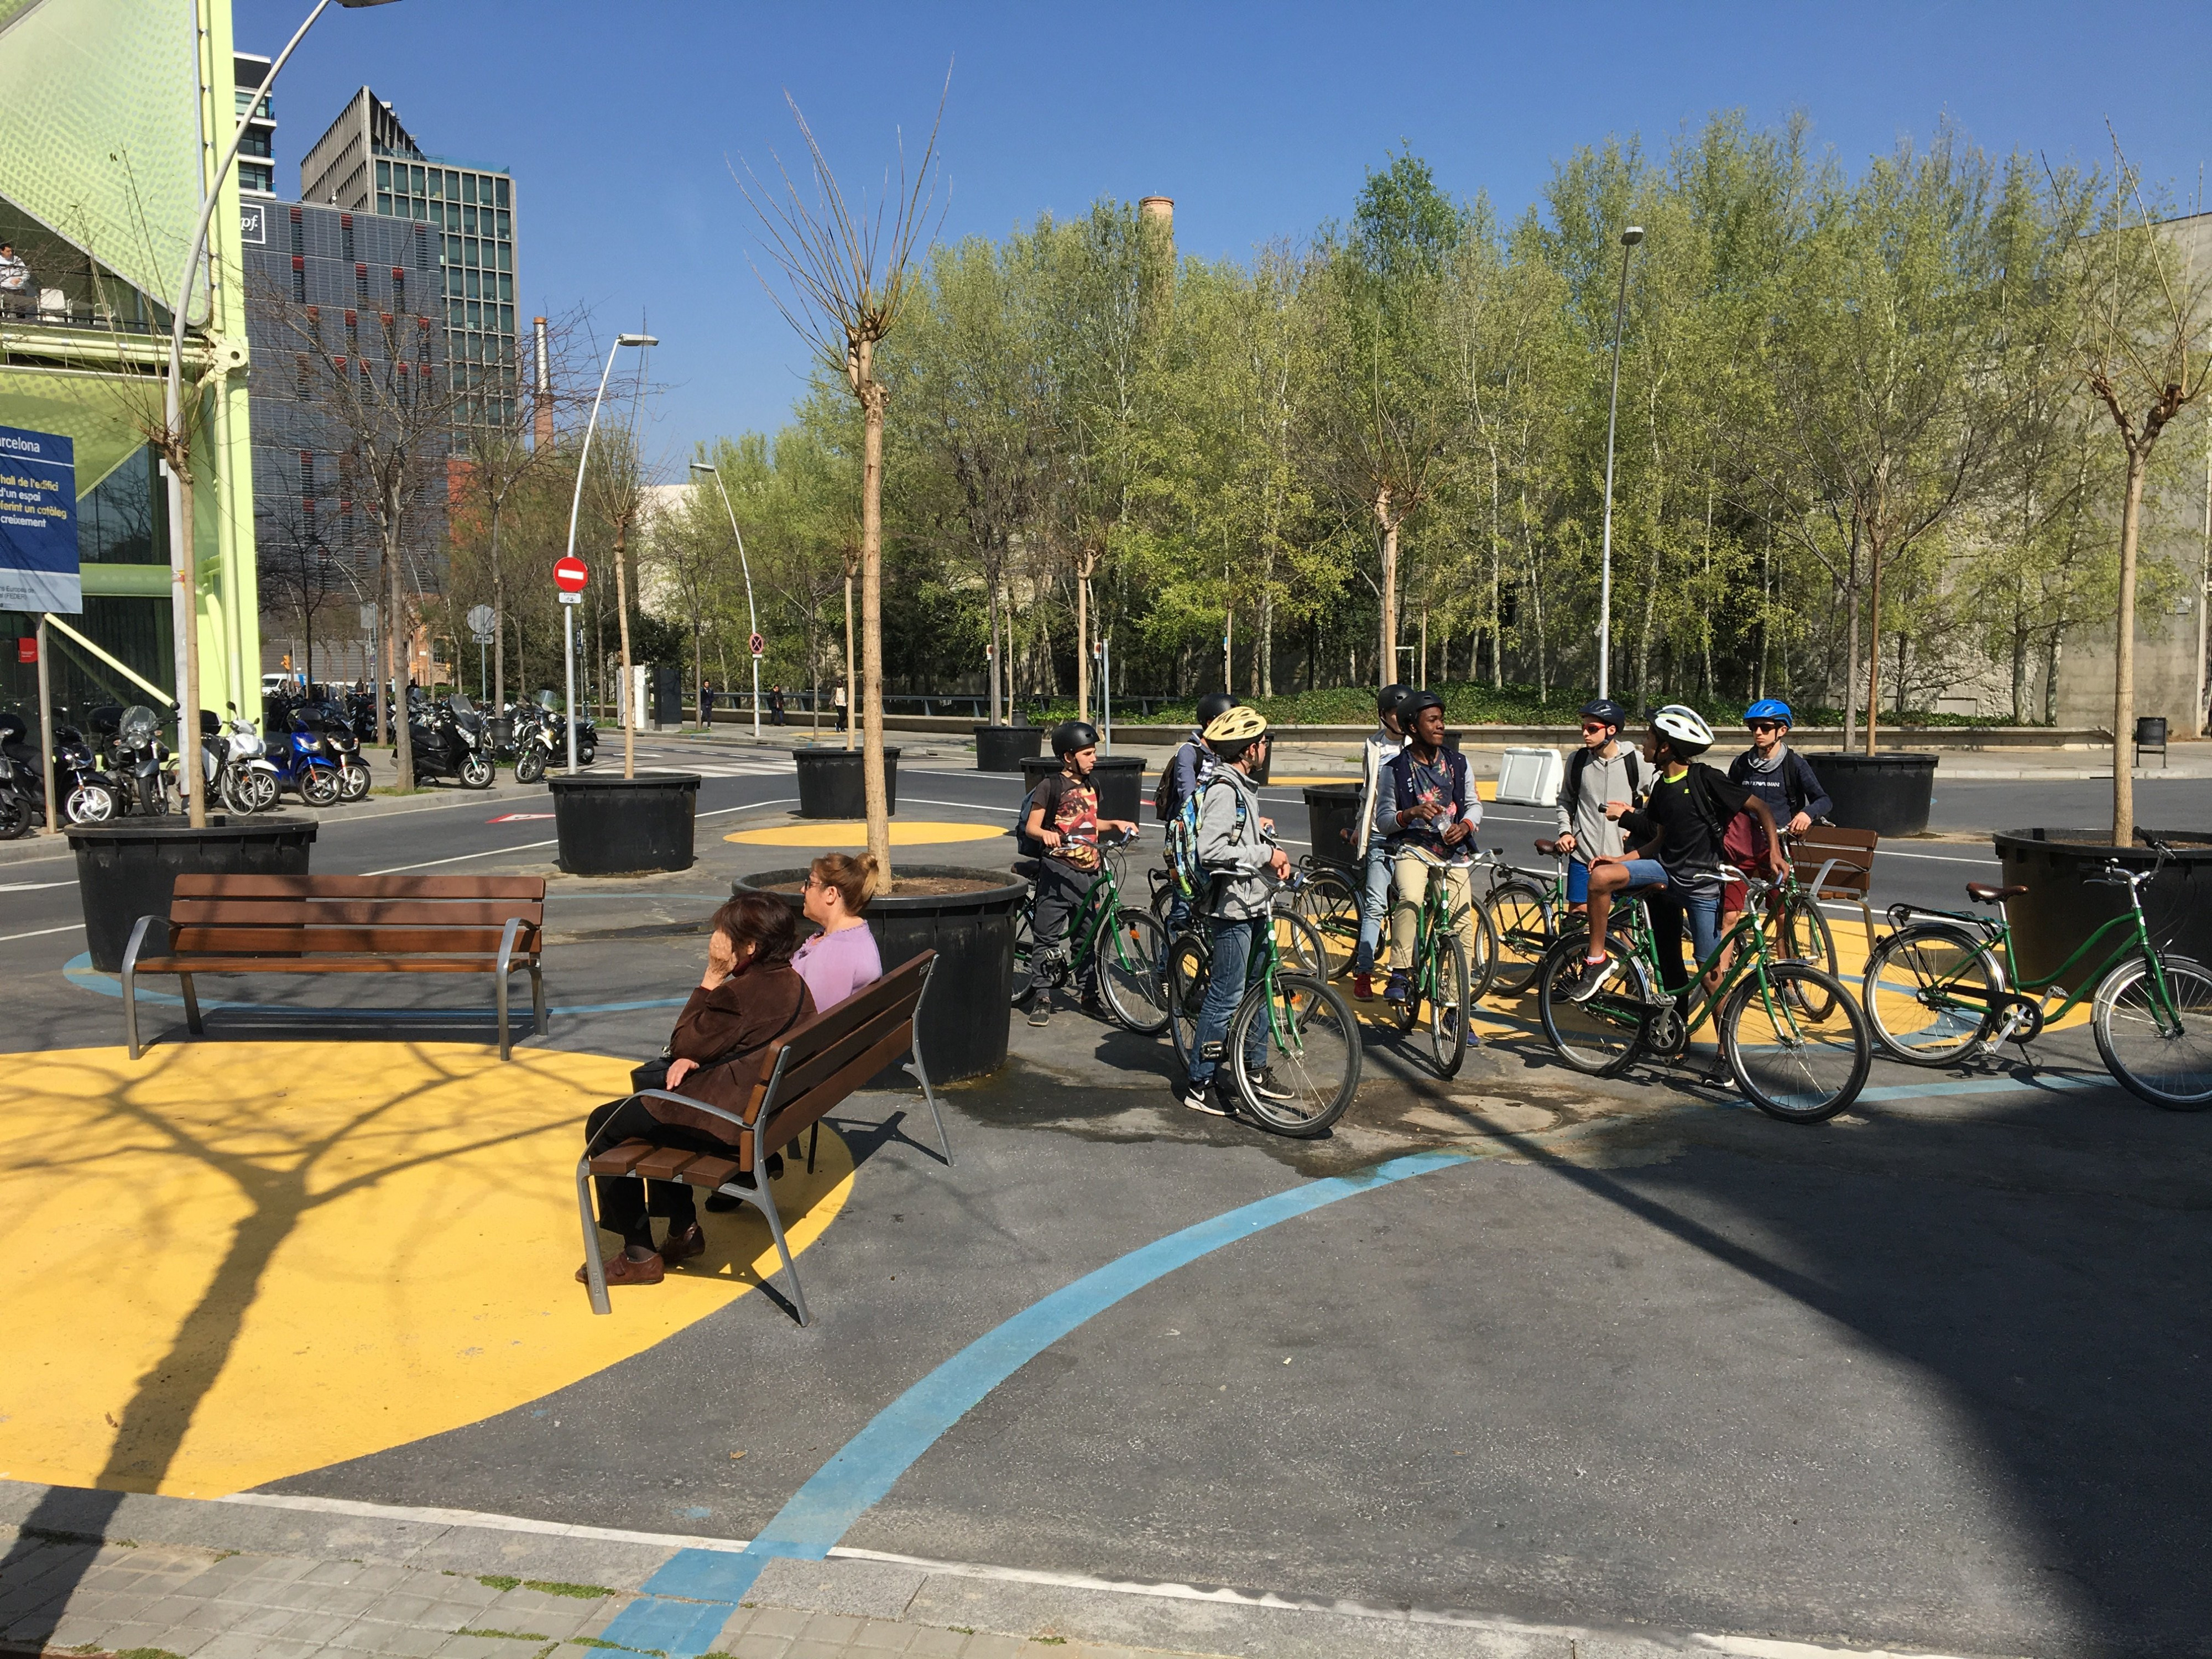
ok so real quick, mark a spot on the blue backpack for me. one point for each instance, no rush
(1192, 879)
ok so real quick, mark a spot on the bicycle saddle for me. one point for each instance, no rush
(1550, 849)
(1983, 893)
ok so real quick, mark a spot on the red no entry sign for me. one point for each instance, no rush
(569, 574)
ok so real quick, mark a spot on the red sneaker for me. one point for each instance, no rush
(1362, 986)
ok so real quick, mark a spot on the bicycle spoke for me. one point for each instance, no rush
(1131, 980)
(1796, 1042)
(2160, 1047)
(1927, 995)
(1306, 1066)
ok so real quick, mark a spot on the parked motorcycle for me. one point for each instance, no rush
(448, 741)
(304, 763)
(332, 725)
(22, 790)
(88, 794)
(240, 768)
(137, 759)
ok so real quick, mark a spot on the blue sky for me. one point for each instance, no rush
(620, 121)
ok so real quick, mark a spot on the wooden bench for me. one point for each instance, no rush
(1837, 866)
(804, 1074)
(491, 925)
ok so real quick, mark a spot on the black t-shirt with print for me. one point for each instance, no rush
(1688, 847)
(1071, 807)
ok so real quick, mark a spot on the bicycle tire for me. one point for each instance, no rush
(1131, 980)
(2123, 1020)
(1802, 934)
(1525, 930)
(1024, 943)
(1328, 901)
(1189, 961)
(1914, 964)
(1603, 1036)
(1300, 947)
(1404, 1014)
(1319, 1065)
(1482, 960)
(1451, 1006)
(1795, 1065)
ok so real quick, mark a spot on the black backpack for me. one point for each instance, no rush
(1026, 845)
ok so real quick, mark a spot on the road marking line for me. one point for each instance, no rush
(441, 1517)
(524, 847)
(33, 886)
(40, 932)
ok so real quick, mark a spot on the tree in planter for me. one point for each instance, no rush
(616, 483)
(2146, 356)
(852, 276)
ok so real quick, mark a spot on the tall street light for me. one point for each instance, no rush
(568, 611)
(751, 618)
(1629, 239)
(184, 575)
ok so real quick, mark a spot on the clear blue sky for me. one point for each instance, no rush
(619, 120)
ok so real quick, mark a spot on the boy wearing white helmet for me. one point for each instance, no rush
(1675, 852)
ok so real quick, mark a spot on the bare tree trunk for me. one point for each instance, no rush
(498, 614)
(1851, 638)
(1084, 565)
(1497, 590)
(403, 740)
(872, 613)
(1386, 536)
(852, 681)
(2124, 653)
(1425, 648)
(1874, 645)
(188, 717)
(991, 655)
(631, 716)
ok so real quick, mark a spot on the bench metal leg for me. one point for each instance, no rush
(930, 1094)
(191, 1006)
(765, 1200)
(130, 1010)
(505, 1046)
(595, 1272)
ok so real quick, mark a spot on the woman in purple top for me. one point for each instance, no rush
(843, 957)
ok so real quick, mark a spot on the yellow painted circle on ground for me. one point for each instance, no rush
(230, 1262)
(905, 832)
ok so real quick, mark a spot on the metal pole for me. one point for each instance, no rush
(752, 618)
(54, 816)
(569, 628)
(1629, 239)
(568, 668)
(1106, 690)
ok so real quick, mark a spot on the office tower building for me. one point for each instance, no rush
(257, 151)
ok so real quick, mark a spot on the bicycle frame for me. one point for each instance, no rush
(1997, 936)
(1705, 1003)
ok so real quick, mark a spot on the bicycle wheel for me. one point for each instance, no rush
(1301, 946)
(1188, 961)
(1450, 1002)
(1482, 954)
(2166, 1062)
(1024, 942)
(1406, 1013)
(1132, 982)
(1795, 1065)
(1928, 995)
(1523, 915)
(1603, 1036)
(1311, 1054)
(1328, 901)
(1803, 934)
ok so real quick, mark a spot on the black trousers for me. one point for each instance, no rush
(626, 1204)
(1059, 890)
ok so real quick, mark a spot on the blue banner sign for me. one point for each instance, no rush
(38, 523)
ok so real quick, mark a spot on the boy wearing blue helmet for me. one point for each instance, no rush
(1776, 772)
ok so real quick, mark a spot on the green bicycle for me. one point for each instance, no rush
(1310, 1032)
(1129, 945)
(1946, 986)
(1440, 980)
(1792, 1036)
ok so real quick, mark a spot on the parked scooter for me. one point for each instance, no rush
(137, 759)
(242, 772)
(88, 794)
(304, 764)
(22, 790)
(448, 741)
(331, 723)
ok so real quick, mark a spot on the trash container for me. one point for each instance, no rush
(1889, 793)
(833, 782)
(609, 826)
(1004, 748)
(128, 868)
(1118, 779)
(1332, 821)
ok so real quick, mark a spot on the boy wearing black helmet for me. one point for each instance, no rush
(1371, 853)
(1426, 800)
(1063, 819)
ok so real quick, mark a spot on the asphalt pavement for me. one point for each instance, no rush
(1620, 1354)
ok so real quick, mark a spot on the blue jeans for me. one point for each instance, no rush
(1374, 900)
(1669, 908)
(1240, 960)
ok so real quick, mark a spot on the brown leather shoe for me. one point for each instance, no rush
(682, 1247)
(620, 1270)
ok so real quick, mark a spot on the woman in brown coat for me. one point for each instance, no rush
(747, 997)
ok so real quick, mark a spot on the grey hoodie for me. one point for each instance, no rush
(1239, 854)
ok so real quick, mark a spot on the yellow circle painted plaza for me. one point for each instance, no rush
(831, 834)
(230, 1262)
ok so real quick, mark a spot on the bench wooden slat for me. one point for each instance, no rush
(223, 964)
(621, 1160)
(364, 887)
(798, 1111)
(822, 1044)
(706, 1171)
(826, 1061)
(390, 941)
(663, 1163)
(377, 913)
(1852, 875)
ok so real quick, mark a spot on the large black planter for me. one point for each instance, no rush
(1118, 779)
(1887, 792)
(963, 1018)
(128, 868)
(1332, 821)
(1004, 748)
(833, 782)
(610, 826)
(2061, 909)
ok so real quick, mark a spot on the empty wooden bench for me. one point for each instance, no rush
(1837, 866)
(804, 1074)
(491, 925)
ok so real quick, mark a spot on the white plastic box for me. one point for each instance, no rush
(1530, 777)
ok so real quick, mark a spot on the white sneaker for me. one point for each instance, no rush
(1200, 1097)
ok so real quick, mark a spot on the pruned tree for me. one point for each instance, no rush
(851, 276)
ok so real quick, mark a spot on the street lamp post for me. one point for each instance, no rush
(184, 576)
(1629, 239)
(752, 618)
(568, 611)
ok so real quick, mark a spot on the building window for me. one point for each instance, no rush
(304, 388)
(507, 292)
(384, 202)
(360, 285)
(346, 236)
(299, 281)
(500, 184)
(384, 175)
(469, 187)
